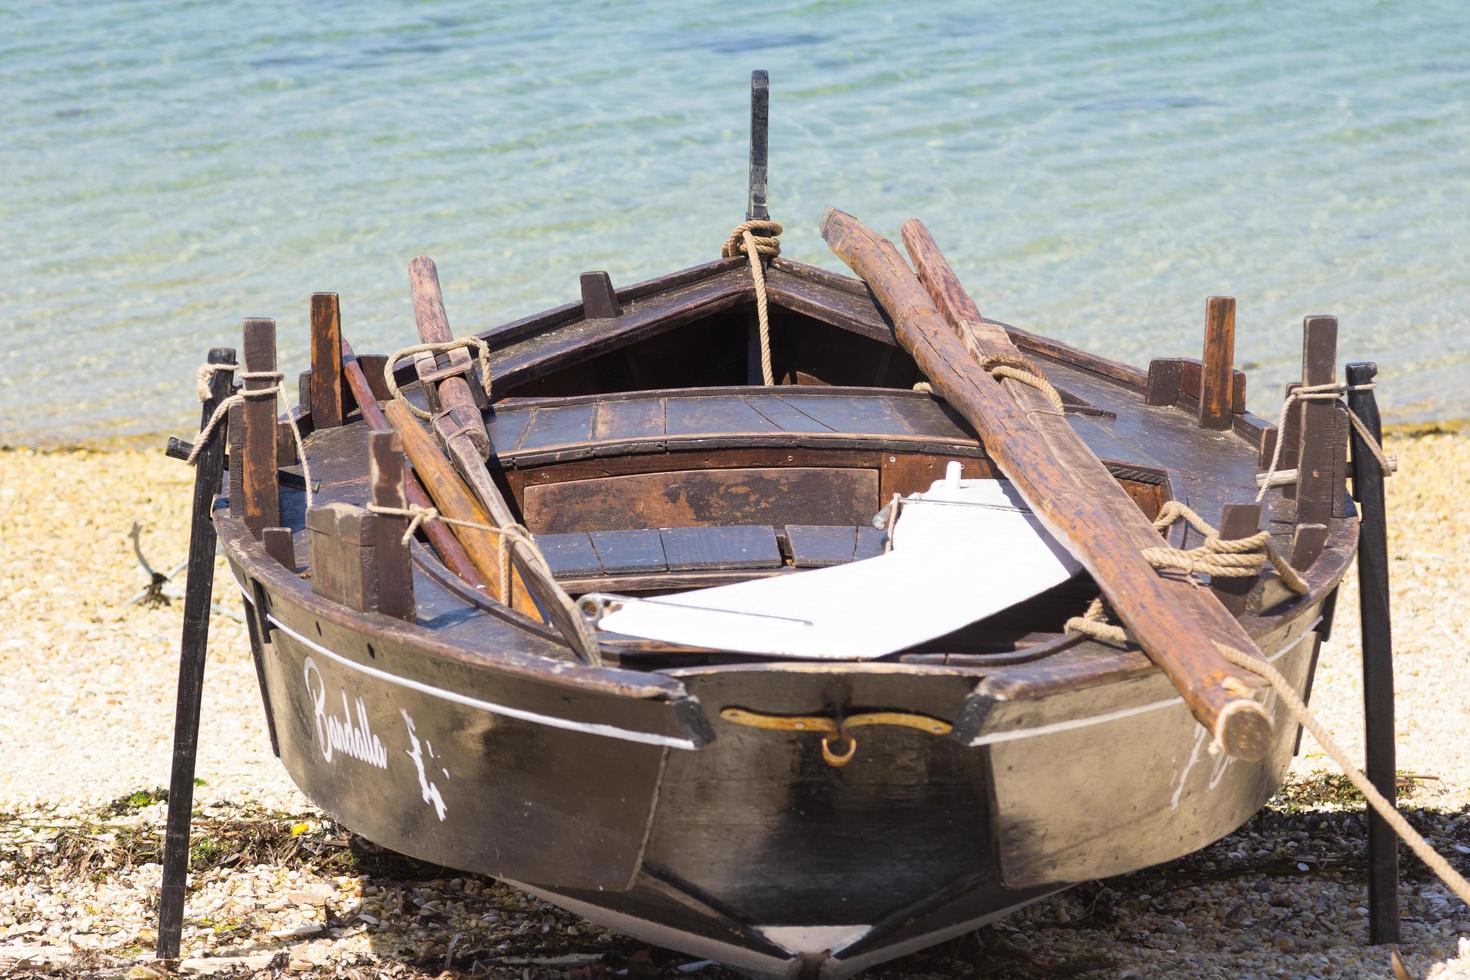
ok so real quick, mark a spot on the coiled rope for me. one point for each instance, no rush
(222, 411)
(756, 240)
(1325, 393)
(482, 352)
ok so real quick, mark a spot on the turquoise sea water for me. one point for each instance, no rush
(1094, 171)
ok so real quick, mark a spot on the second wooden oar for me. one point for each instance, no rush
(1068, 489)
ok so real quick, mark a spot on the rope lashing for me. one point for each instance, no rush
(1022, 369)
(482, 352)
(222, 411)
(1297, 708)
(757, 240)
(1325, 393)
(508, 538)
(1218, 558)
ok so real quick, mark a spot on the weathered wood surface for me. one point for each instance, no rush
(599, 299)
(261, 497)
(449, 392)
(443, 541)
(1215, 397)
(325, 394)
(395, 575)
(1317, 446)
(454, 499)
(1177, 624)
(760, 120)
(1237, 521)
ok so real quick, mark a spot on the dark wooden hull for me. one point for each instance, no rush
(469, 736)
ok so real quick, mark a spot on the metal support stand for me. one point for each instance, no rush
(197, 591)
(1383, 858)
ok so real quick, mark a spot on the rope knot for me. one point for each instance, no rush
(482, 353)
(758, 237)
(1022, 369)
(1331, 392)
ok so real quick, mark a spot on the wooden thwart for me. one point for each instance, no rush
(1072, 493)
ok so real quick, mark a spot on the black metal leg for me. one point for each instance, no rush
(197, 591)
(1383, 858)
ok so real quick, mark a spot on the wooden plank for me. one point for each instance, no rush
(856, 414)
(1215, 397)
(326, 361)
(569, 554)
(696, 416)
(818, 545)
(258, 486)
(1315, 457)
(1236, 521)
(695, 549)
(784, 415)
(775, 495)
(630, 552)
(1163, 382)
(871, 542)
(599, 299)
(507, 426)
(619, 420)
(1066, 486)
(394, 570)
(558, 426)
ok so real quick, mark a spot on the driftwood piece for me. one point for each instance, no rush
(326, 362)
(448, 547)
(258, 486)
(1073, 494)
(1215, 401)
(445, 376)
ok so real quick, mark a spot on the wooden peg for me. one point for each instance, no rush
(1163, 381)
(1236, 521)
(278, 545)
(1216, 377)
(599, 299)
(760, 121)
(262, 497)
(394, 568)
(1315, 469)
(326, 361)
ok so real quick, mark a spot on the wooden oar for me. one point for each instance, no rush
(462, 433)
(441, 539)
(1070, 491)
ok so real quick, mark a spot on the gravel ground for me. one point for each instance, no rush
(86, 711)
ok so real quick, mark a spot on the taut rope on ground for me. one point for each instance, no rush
(756, 240)
(482, 350)
(1325, 393)
(222, 411)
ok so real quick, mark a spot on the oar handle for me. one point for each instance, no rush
(450, 394)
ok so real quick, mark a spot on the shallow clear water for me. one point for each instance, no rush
(1094, 174)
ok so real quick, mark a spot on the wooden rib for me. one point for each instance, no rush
(1215, 402)
(450, 551)
(326, 361)
(1070, 491)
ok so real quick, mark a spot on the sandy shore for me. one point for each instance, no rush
(86, 712)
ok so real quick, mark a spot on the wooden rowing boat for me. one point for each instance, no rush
(790, 806)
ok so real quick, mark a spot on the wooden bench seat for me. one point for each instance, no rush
(651, 551)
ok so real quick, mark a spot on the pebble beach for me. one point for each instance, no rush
(86, 713)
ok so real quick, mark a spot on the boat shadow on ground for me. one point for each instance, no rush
(298, 892)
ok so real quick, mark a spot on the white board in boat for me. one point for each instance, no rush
(962, 550)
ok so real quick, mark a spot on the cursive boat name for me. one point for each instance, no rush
(341, 734)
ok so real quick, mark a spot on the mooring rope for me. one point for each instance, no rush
(1297, 708)
(1325, 393)
(754, 240)
(222, 411)
(482, 352)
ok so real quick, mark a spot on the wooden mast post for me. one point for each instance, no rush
(198, 588)
(1072, 493)
(755, 201)
(1377, 633)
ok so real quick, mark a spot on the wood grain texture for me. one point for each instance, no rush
(450, 394)
(454, 499)
(1237, 521)
(1215, 396)
(1067, 487)
(395, 571)
(760, 118)
(1317, 443)
(599, 299)
(258, 485)
(326, 361)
